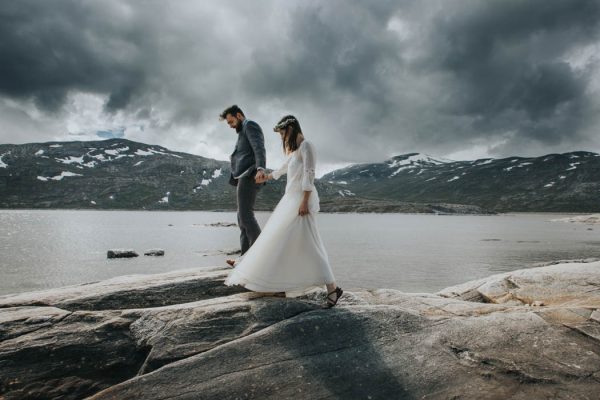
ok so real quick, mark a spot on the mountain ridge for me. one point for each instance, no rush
(123, 174)
(553, 182)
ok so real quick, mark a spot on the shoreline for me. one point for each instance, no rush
(500, 213)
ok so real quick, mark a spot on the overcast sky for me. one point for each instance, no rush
(460, 79)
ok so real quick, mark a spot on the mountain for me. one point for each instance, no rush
(568, 182)
(122, 174)
(113, 174)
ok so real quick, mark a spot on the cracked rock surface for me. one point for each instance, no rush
(526, 334)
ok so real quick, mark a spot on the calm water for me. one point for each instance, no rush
(414, 253)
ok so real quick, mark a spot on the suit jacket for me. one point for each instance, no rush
(249, 153)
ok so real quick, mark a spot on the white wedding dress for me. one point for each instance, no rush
(289, 255)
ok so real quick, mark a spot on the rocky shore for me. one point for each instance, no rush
(527, 334)
(590, 219)
(361, 205)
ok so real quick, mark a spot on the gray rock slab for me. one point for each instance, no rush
(69, 358)
(131, 291)
(87, 351)
(563, 284)
(383, 352)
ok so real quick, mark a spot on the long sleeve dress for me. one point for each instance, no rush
(289, 255)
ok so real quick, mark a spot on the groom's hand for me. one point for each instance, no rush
(260, 176)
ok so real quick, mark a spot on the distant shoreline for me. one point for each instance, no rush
(320, 212)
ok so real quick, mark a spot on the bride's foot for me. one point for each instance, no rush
(230, 262)
(333, 297)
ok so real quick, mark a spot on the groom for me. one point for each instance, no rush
(248, 163)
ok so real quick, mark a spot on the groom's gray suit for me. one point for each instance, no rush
(247, 158)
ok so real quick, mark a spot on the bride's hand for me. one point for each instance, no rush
(303, 210)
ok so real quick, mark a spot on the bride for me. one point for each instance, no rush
(289, 255)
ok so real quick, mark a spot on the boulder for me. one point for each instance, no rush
(121, 254)
(155, 252)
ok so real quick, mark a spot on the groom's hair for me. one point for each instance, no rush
(233, 110)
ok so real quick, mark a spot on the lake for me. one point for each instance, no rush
(43, 249)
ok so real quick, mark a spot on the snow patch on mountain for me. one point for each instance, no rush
(491, 160)
(416, 159)
(523, 164)
(402, 163)
(115, 152)
(402, 169)
(62, 175)
(165, 200)
(151, 152)
(2, 163)
(70, 160)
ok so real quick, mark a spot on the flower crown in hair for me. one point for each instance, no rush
(283, 124)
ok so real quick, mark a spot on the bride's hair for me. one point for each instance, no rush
(291, 127)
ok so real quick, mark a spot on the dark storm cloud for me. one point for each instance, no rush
(331, 49)
(378, 77)
(506, 60)
(48, 48)
(465, 70)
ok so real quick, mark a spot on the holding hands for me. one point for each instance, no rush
(261, 177)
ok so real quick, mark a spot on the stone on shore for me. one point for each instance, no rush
(527, 334)
(581, 219)
(221, 224)
(121, 254)
(155, 252)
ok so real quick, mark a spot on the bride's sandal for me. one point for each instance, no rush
(331, 302)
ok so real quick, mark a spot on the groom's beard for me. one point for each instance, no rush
(238, 127)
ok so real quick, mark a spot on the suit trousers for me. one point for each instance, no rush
(246, 198)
